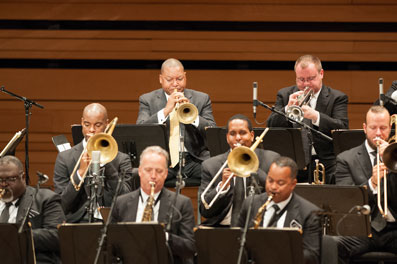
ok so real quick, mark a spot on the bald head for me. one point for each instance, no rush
(94, 120)
(171, 63)
(97, 108)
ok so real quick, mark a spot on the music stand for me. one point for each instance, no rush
(132, 139)
(78, 242)
(13, 143)
(345, 139)
(16, 248)
(285, 141)
(137, 243)
(337, 201)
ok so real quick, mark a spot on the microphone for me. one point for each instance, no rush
(95, 162)
(381, 95)
(254, 97)
(363, 209)
(42, 177)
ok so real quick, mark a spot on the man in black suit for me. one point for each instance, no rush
(291, 210)
(45, 214)
(132, 206)
(225, 210)
(358, 166)
(74, 199)
(157, 106)
(327, 110)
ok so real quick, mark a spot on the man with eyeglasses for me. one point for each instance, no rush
(325, 111)
(45, 214)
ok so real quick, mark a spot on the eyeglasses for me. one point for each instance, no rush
(10, 179)
(308, 79)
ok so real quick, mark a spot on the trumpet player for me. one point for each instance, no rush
(131, 206)
(157, 107)
(358, 166)
(326, 111)
(287, 209)
(226, 208)
(45, 215)
(74, 202)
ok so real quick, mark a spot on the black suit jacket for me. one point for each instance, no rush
(222, 205)
(299, 210)
(74, 202)
(45, 215)
(389, 104)
(332, 106)
(183, 245)
(195, 143)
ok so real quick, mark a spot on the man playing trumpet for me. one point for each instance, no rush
(74, 200)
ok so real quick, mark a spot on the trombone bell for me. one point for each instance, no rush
(243, 161)
(104, 143)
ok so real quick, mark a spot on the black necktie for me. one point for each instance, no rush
(238, 199)
(5, 215)
(273, 220)
(375, 159)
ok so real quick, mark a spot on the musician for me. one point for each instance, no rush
(45, 214)
(326, 111)
(293, 210)
(75, 202)
(225, 210)
(358, 166)
(157, 106)
(131, 206)
(390, 99)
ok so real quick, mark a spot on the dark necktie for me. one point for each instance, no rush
(373, 153)
(5, 215)
(273, 220)
(238, 199)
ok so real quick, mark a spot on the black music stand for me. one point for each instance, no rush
(78, 242)
(285, 141)
(345, 139)
(337, 201)
(16, 248)
(132, 139)
(11, 146)
(137, 243)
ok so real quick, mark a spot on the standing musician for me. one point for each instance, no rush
(133, 206)
(390, 99)
(225, 210)
(326, 111)
(75, 202)
(45, 215)
(358, 166)
(288, 208)
(156, 108)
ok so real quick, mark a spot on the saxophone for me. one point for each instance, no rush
(261, 211)
(148, 212)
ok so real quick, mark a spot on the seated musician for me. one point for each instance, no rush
(152, 202)
(225, 210)
(74, 198)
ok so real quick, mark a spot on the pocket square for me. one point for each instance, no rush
(295, 224)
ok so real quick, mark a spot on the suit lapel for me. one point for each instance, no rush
(26, 198)
(322, 100)
(364, 160)
(292, 212)
(164, 205)
(133, 204)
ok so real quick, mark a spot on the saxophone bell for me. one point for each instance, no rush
(6, 195)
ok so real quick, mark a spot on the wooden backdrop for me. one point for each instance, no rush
(66, 54)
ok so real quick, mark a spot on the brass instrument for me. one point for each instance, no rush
(148, 212)
(105, 143)
(295, 111)
(242, 162)
(319, 170)
(6, 195)
(186, 112)
(261, 211)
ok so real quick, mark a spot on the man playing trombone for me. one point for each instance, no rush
(68, 177)
(225, 209)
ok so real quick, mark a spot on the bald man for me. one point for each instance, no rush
(155, 108)
(75, 202)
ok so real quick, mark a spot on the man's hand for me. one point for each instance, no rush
(310, 113)
(84, 163)
(226, 174)
(382, 171)
(293, 98)
(173, 99)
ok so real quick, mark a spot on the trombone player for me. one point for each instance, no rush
(74, 202)
(225, 209)
(156, 107)
(325, 111)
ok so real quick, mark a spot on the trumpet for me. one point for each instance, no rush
(261, 211)
(242, 162)
(103, 142)
(148, 212)
(319, 170)
(186, 112)
(295, 111)
(6, 195)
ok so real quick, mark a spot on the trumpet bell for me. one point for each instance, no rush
(106, 144)
(243, 161)
(390, 157)
(295, 112)
(187, 113)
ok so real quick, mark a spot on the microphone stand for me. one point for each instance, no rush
(251, 193)
(107, 222)
(28, 104)
(39, 182)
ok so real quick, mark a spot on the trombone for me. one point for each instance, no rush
(242, 162)
(295, 111)
(105, 143)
